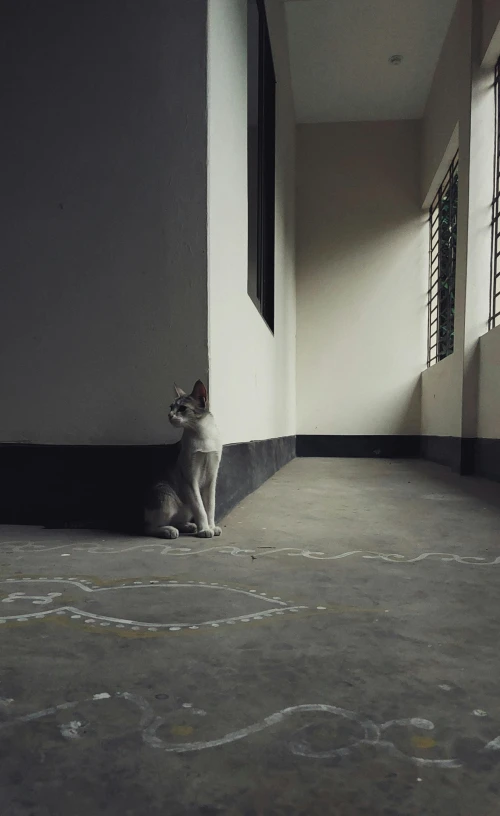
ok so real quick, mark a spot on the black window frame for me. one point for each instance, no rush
(442, 267)
(264, 297)
(494, 310)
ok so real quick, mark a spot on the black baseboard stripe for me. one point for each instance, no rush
(367, 447)
(467, 456)
(104, 486)
(487, 458)
(480, 457)
(247, 465)
(444, 450)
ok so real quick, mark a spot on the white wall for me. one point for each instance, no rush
(460, 392)
(488, 426)
(445, 128)
(361, 278)
(488, 388)
(103, 149)
(252, 372)
(441, 383)
(442, 112)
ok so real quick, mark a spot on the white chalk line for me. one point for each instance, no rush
(150, 723)
(38, 600)
(297, 552)
(273, 719)
(277, 605)
(292, 552)
(146, 585)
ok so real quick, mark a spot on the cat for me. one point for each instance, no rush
(185, 501)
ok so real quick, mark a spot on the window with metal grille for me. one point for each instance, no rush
(494, 319)
(443, 256)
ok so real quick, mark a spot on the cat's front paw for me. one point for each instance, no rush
(168, 532)
(217, 531)
(207, 533)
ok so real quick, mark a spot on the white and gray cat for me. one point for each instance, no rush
(185, 501)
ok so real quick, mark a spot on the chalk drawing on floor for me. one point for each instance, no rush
(37, 600)
(270, 606)
(162, 549)
(71, 730)
(369, 732)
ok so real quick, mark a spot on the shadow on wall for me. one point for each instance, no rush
(470, 393)
(83, 486)
(411, 407)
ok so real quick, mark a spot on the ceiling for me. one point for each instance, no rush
(339, 54)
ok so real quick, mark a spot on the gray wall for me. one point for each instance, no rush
(103, 296)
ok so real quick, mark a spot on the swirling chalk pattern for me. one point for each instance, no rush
(161, 549)
(272, 606)
(373, 734)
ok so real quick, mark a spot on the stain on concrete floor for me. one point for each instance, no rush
(334, 653)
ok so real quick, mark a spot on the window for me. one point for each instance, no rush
(261, 103)
(443, 257)
(495, 220)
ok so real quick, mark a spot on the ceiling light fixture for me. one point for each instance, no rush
(396, 59)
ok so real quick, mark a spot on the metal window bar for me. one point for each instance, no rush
(442, 266)
(494, 316)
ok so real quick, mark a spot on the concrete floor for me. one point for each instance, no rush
(335, 652)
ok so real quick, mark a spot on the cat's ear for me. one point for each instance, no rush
(199, 393)
(179, 391)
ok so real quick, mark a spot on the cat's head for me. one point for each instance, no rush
(187, 410)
